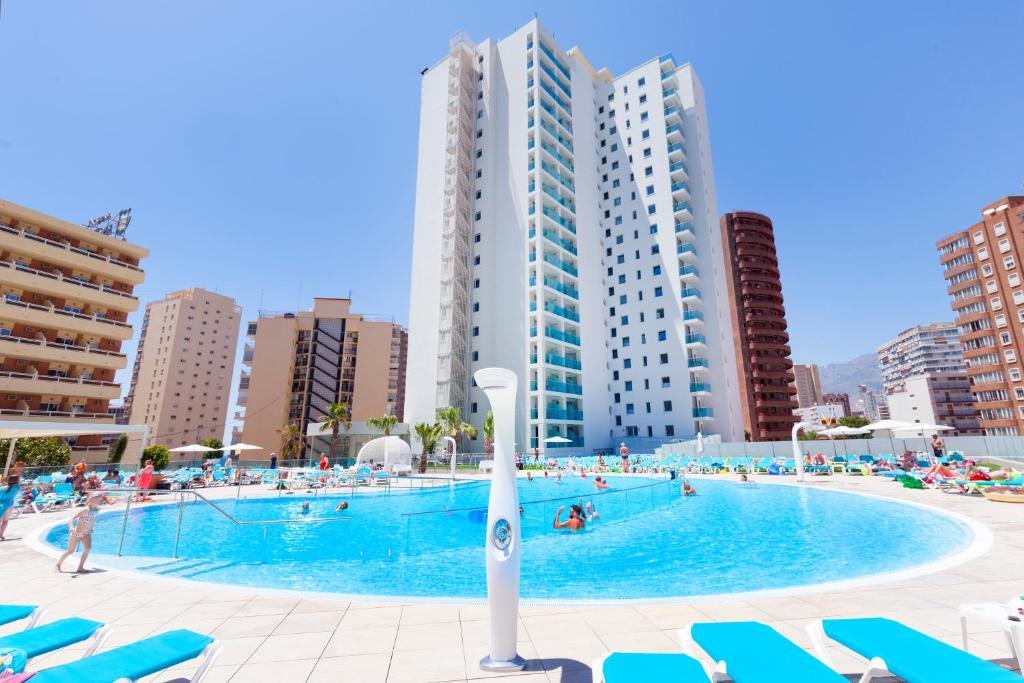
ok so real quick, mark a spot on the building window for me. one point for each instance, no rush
(1004, 245)
(476, 331)
(997, 303)
(1000, 320)
(986, 269)
(662, 335)
(666, 382)
(982, 253)
(668, 406)
(658, 291)
(1018, 392)
(663, 358)
(1013, 279)
(1009, 263)
(979, 237)
(476, 283)
(1004, 338)
(999, 228)
(628, 386)
(1015, 374)
(1010, 355)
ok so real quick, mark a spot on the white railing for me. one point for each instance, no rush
(66, 247)
(57, 345)
(60, 277)
(59, 311)
(51, 378)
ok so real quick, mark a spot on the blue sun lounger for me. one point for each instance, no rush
(893, 648)
(752, 652)
(57, 634)
(136, 660)
(626, 667)
(11, 613)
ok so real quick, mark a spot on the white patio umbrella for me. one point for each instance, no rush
(843, 430)
(557, 439)
(237, 447)
(889, 426)
(192, 448)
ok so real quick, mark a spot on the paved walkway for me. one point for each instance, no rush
(285, 639)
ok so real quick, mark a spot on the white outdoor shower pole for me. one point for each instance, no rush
(454, 449)
(502, 544)
(798, 457)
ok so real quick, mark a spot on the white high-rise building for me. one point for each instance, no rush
(921, 350)
(567, 228)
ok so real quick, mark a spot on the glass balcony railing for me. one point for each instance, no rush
(688, 270)
(560, 311)
(556, 413)
(697, 363)
(675, 128)
(551, 170)
(552, 237)
(562, 140)
(564, 222)
(689, 292)
(680, 187)
(696, 387)
(558, 287)
(667, 75)
(668, 92)
(533, 414)
(669, 111)
(686, 249)
(684, 227)
(692, 315)
(703, 412)
(558, 81)
(550, 191)
(696, 339)
(574, 442)
(678, 207)
(550, 149)
(678, 166)
(533, 385)
(563, 387)
(562, 361)
(558, 263)
(677, 147)
(566, 337)
(553, 95)
(551, 110)
(557, 62)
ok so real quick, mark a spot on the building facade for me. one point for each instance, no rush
(919, 350)
(66, 295)
(821, 416)
(840, 398)
(943, 399)
(808, 385)
(566, 228)
(867, 404)
(753, 288)
(181, 379)
(297, 364)
(982, 269)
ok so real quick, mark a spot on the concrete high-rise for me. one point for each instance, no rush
(982, 265)
(182, 374)
(838, 398)
(300, 363)
(808, 385)
(66, 295)
(933, 398)
(566, 228)
(754, 291)
(919, 350)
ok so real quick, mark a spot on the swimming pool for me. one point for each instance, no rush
(648, 542)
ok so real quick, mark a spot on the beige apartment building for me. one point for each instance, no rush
(297, 364)
(982, 268)
(182, 374)
(808, 386)
(65, 296)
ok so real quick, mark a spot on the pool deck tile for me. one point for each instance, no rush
(269, 636)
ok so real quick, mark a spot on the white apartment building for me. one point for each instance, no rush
(822, 416)
(943, 399)
(567, 228)
(922, 349)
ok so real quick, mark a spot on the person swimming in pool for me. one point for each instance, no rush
(529, 475)
(343, 505)
(600, 483)
(687, 489)
(591, 511)
(576, 522)
(305, 508)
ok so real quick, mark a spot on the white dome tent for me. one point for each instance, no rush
(392, 451)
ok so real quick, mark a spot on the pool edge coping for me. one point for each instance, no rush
(981, 542)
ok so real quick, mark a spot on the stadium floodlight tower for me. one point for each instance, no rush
(503, 538)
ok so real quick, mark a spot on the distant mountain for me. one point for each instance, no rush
(845, 377)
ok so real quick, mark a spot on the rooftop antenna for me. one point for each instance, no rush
(112, 225)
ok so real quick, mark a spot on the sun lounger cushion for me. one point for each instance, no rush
(631, 666)
(12, 661)
(755, 652)
(911, 655)
(133, 661)
(9, 613)
(53, 636)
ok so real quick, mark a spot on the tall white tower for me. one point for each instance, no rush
(593, 262)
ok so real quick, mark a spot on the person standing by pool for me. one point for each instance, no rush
(325, 464)
(144, 481)
(938, 447)
(80, 529)
(7, 497)
(624, 456)
(576, 521)
(273, 461)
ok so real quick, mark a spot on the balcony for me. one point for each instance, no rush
(43, 316)
(54, 352)
(566, 107)
(563, 387)
(704, 413)
(553, 237)
(697, 364)
(687, 252)
(28, 243)
(693, 318)
(690, 294)
(24, 383)
(700, 388)
(555, 79)
(562, 140)
(682, 211)
(672, 115)
(685, 231)
(558, 64)
(560, 311)
(556, 413)
(678, 169)
(564, 202)
(566, 125)
(680, 192)
(562, 361)
(552, 171)
(695, 340)
(561, 265)
(574, 442)
(7, 414)
(564, 161)
(689, 273)
(676, 152)
(568, 338)
(60, 286)
(554, 284)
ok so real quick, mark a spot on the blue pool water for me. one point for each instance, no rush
(649, 542)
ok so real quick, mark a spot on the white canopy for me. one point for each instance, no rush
(241, 447)
(557, 439)
(192, 448)
(389, 450)
(843, 430)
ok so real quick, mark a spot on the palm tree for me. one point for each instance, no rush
(452, 425)
(384, 423)
(489, 432)
(291, 441)
(429, 434)
(337, 417)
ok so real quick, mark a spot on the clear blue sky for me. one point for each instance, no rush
(268, 149)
